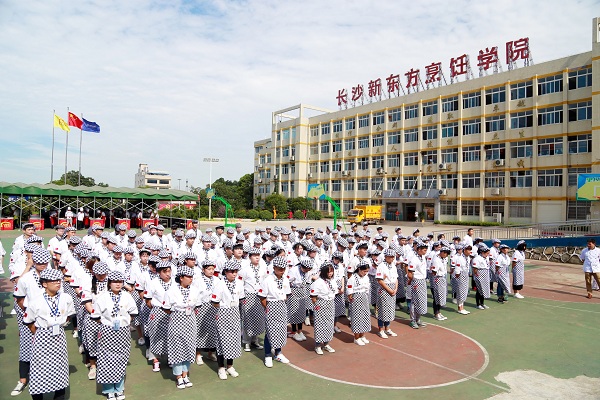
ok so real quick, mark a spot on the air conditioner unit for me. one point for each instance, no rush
(345, 173)
(292, 158)
(260, 165)
(442, 192)
(499, 163)
(498, 217)
(275, 177)
(443, 166)
(380, 170)
(260, 181)
(495, 191)
(378, 193)
(310, 176)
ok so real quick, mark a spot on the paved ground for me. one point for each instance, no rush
(530, 344)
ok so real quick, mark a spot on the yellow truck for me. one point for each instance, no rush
(371, 214)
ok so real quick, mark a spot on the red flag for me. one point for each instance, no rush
(75, 121)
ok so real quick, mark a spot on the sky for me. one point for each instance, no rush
(171, 82)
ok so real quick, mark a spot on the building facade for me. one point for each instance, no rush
(503, 147)
(152, 179)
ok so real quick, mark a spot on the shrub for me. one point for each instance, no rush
(266, 215)
(314, 214)
(253, 214)
(298, 215)
(473, 223)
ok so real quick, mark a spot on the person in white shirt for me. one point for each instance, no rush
(69, 216)
(468, 239)
(481, 275)
(158, 322)
(518, 268)
(417, 275)
(80, 216)
(339, 278)
(322, 293)
(273, 293)
(298, 302)
(591, 265)
(205, 312)
(358, 288)
(386, 276)
(502, 268)
(439, 285)
(252, 273)
(2, 254)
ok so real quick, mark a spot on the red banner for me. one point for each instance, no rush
(38, 223)
(148, 222)
(125, 221)
(7, 224)
(96, 222)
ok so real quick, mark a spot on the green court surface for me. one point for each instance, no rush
(552, 337)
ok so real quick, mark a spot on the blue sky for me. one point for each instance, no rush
(171, 82)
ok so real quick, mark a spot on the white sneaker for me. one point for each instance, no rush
(454, 301)
(282, 359)
(92, 374)
(257, 345)
(156, 366)
(307, 321)
(75, 334)
(212, 357)
(297, 337)
(231, 371)
(222, 373)
(180, 383)
(389, 332)
(382, 335)
(141, 341)
(319, 351)
(269, 362)
(187, 382)
(364, 339)
(519, 296)
(486, 307)
(329, 349)
(18, 389)
(359, 342)
(464, 312)
(302, 334)
(480, 307)
(81, 349)
(336, 329)
(438, 317)
(120, 396)
(247, 347)
(199, 360)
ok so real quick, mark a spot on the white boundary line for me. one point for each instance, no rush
(466, 377)
(553, 306)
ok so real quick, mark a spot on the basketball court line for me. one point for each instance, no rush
(564, 308)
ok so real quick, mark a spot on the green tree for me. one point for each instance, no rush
(73, 180)
(277, 201)
(246, 190)
(299, 203)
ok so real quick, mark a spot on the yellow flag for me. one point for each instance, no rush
(60, 123)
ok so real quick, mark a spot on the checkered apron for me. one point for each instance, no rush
(462, 287)
(374, 288)
(25, 337)
(229, 333)
(324, 320)
(113, 353)
(519, 273)
(386, 304)
(418, 294)
(440, 289)
(158, 331)
(253, 314)
(206, 315)
(90, 338)
(181, 342)
(49, 362)
(277, 320)
(360, 313)
(453, 284)
(297, 304)
(503, 279)
(401, 292)
(492, 264)
(482, 281)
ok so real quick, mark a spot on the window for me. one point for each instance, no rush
(347, 205)
(492, 207)
(450, 130)
(550, 147)
(152, 181)
(285, 152)
(378, 140)
(277, 151)
(285, 134)
(257, 149)
(314, 149)
(349, 184)
(448, 207)
(324, 147)
(411, 135)
(324, 204)
(450, 155)
(581, 78)
(471, 127)
(450, 104)
(285, 187)
(393, 161)
(292, 187)
(409, 182)
(430, 108)
(377, 162)
(522, 119)
(521, 90)
(337, 126)
(411, 111)
(363, 184)
(550, 115)
(363, 163)
(293, 168)
(278, 136)
(314, 168)
(495, 95)
(324, 166)
(378, 118)
(285, 169)
(521, 149)
(580, 111)
(578, 209)
(394, 114)
(470, 208)
(430, 132)
(550, 84)
(336, 165)
(429, 182)
(471, 181)
(449, 181)
(262, 159)
(573, 172)
(494, 179)
(350, 144)
(268, 174)
(471, 100)
(325, 129)
(519, 209)
(495, 123)
(429, 157)
(411, 159)
(336, 185)
(495, 151)
(376, 183)
(293, 134)
(393, 183)
(394, 137)
(314, 131)
(363, 142)
(550, 177)
(520, 179)
(471, 153)
(349, 165)
(363, 120)
(268, 159)
(580, 144)
(337, 146)
(350, 124)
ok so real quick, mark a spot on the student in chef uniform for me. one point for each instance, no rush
(206, 339)
(387, 280)
(502, 268)
(298, 302)
(322, 293)
(158, 321)
(460, 271)
(252, 273)
(481, 273)
(518, 268)
(438, 282)
(358, 295)
(417, 274)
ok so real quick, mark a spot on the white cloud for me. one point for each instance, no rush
(172, 82)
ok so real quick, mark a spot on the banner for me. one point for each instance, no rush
(588, 187)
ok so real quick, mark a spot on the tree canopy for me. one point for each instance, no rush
(73, 180)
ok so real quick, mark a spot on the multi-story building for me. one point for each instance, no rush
(508, 146)
(152, 179)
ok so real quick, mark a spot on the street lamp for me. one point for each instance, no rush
(210, 161)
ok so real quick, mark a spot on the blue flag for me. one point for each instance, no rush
(90, 126)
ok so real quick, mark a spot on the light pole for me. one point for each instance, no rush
(210, 161)
(179, 184)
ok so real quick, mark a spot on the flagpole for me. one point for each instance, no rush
(80, 140)
(52, 162)
(66, 149)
